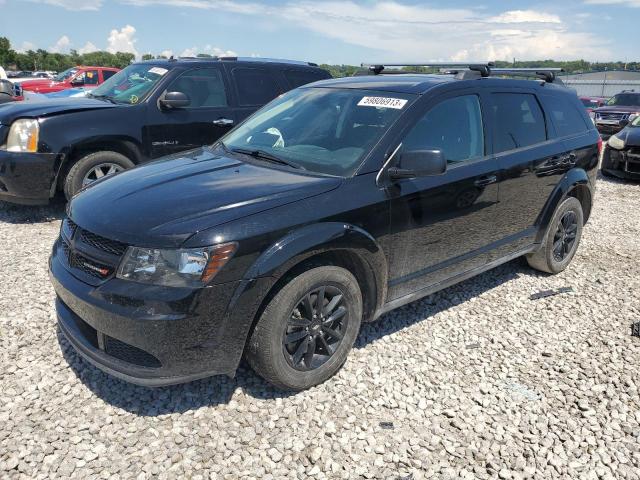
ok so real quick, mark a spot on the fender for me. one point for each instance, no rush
(285, 254)
(573, 178)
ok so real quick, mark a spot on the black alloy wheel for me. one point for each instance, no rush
(315, 328)
(565, 236)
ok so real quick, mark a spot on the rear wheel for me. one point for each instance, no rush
(561, 240)
(306, 331)
(92, 167)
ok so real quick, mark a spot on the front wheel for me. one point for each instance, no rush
(561, 240)
(93, 167)
(306, 331)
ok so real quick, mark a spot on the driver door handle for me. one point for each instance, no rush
(223, 122)
(484, 181)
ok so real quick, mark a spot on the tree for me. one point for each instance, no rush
(147, 56)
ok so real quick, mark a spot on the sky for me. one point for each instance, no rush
(335, 32)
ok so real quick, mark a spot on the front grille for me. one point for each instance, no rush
(128, 353)
(611, 116)
(96, 241)
(86, 265)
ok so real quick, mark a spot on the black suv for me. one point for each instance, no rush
(330, 206)
(148, 110)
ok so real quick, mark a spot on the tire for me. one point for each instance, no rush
(274, 359)
(74, 180)
(569, 212)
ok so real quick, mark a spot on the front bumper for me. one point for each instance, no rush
(608, 129)
(27, 178)
(621, 163)
(150, 335)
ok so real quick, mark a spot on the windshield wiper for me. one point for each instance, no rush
(102, 97)
(267, 156)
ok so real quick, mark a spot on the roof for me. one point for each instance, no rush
(420, 83)
(399, 83)
(209, 60)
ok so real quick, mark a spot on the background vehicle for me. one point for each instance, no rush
(622, 154)
(333, 204)
(87, 77)
(148, 110)
(591, 103)
(9, 92)
(618, 109)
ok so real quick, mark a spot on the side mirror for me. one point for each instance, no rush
(77, 82)
(419, 163)
(175, 100)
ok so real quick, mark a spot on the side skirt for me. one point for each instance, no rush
(412, 297)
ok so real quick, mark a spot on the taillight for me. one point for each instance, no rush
(599, 145)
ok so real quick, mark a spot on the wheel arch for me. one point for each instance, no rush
(126, 146)
(331, 243)
(575, 184)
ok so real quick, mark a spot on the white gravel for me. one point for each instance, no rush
(477, 381)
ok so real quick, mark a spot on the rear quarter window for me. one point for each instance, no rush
(255, 86)
(565, 115)
(297, 78)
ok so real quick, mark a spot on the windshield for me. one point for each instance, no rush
(61, 77)
(323, 130)
(130, 85)
(625, 100)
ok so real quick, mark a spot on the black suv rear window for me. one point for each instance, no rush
(255, 86)
(297, 78)
(518, 120)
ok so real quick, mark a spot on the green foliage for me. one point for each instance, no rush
(43, 60)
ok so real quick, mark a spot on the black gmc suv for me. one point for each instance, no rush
(148, 110)
(330, 206)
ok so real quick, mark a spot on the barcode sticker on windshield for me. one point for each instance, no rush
(382, 102)
(158, 70)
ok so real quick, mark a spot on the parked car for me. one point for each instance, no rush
(148, 110)
(618, 109)
(621, 157)
(335, 203)
(591, 103)
(87, 77)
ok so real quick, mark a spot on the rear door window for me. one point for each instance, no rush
(107, 74)
(518, 121)
(255, 86)
(566, 117)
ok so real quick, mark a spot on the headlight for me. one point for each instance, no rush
(192, 267)
(615, 142)
(23, 136)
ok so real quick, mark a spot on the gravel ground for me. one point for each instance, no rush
(477, 381)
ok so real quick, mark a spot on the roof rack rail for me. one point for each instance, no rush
(483, 67)
(549, 75)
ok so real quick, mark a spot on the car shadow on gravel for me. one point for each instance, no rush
(214, 391)
(23, 214)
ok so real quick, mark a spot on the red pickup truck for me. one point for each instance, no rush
(88, 77)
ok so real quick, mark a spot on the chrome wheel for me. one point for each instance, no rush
(565, 237)
(315, 328)
(99, 171)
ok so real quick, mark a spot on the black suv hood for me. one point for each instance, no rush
(165, 202)
(43, 108)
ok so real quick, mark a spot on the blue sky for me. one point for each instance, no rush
(331, 31)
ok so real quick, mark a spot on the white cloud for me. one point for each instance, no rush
(122, 40)
(209, 50)
(25, 46)
(72, 4)
(406, 32)
(61, 46)
(88, 48)
(167, 53)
